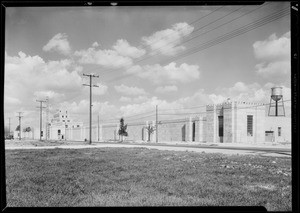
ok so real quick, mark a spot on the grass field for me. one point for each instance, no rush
(143, 177)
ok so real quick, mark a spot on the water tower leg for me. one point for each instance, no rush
(276, 108)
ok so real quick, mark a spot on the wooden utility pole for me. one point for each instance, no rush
(98, 127)
(20, 124)
(90, 85)
(41, 117)
(156, 124)
(9, 127)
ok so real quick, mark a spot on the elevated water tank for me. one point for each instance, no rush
(276, 94)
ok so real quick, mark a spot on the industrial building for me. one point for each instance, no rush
(227, 122)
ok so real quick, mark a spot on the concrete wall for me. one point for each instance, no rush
(175, 130)
(272, 124)
(202, 128)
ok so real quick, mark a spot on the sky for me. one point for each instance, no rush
(175, 57)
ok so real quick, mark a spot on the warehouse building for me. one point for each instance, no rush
(227, 122)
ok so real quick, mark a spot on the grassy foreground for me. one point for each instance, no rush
(142, 177)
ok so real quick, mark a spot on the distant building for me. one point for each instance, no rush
(60, 125)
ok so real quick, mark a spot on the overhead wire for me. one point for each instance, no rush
(221, 39)
(145, 45)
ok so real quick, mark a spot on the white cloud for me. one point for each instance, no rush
(167, 74)
(27, 76)
(273, 48)
(120, 55)
(129, 90)
(95, 44)
(251, 92)
(166, 41)
(58, 43)
(47, 93)
(100, 90)
(274, 54)
(123, 48)
(166, 89)
(105, 58)
(125, 99)
(139, 99)
(277, 71)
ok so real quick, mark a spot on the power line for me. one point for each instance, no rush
(145, 45)
(90, 85)
(145, 58)
(210, 29)
(223, 38)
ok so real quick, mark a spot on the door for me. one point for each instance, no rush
(269, 136)
(221, 128)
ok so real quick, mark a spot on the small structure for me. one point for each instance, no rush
(61, 124)
(276, 96)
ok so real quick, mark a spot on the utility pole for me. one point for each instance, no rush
(98, 127)
(47, 119)
(9, 127)
(41, 117)
(90, 85)
(156, 124)
(20, 124)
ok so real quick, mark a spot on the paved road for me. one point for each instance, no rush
(263, 151)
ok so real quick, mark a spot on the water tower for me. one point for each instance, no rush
(276, 96)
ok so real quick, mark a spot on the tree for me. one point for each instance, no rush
(122, 131)
(150, 130)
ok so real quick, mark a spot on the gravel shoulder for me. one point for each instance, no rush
(31, 144)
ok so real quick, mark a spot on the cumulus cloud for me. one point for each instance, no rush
(167, 41)
(120, 55)
(170, 73)
(130, 90)
(273, 48)
(81, 108)
(123, 48)
(58, 43)
(47, 93)
(250, 92)
(28, 76)
(274, 54)
(166, 89)
(278, 70)
(139, 99)
(100, 90)
(105, 58)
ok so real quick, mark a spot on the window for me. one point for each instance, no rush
(68, 120)
(221, 131)
(66, 126)
(250, 125)
(58, 132)
(62, 116)
(63, 120)
(279, 131)
(77, 125)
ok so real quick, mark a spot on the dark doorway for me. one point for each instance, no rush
(194, 131)
(221, 128)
